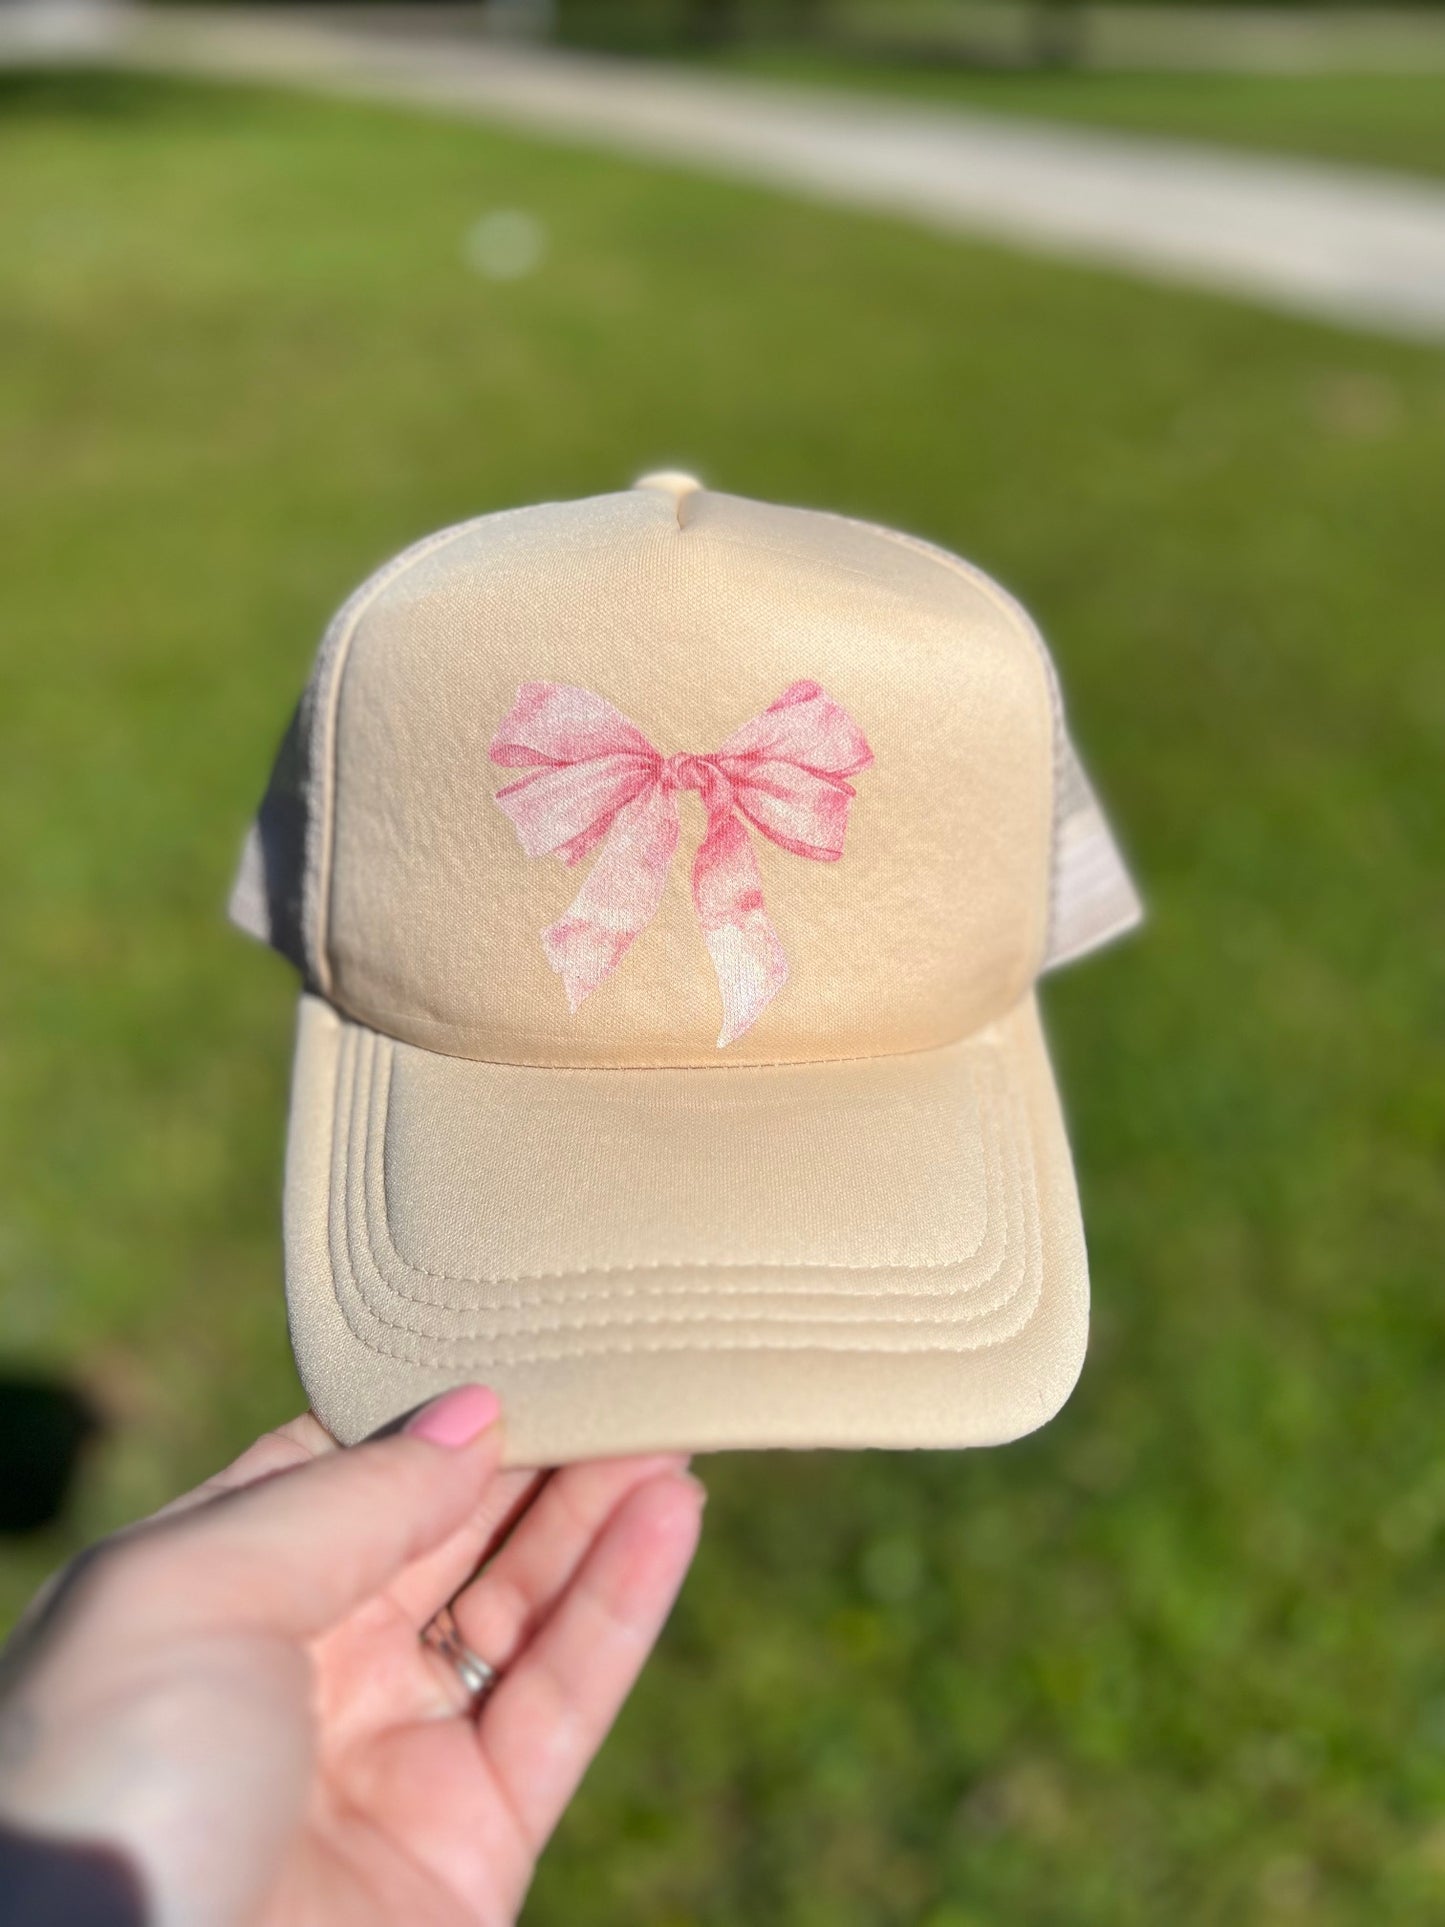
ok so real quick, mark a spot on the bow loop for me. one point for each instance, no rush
(556, 722)
(594, 778)
(806, 727)
(567, 809)
(799, 810)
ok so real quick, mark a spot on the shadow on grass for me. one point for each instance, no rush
(97, 94)
(45, 1428)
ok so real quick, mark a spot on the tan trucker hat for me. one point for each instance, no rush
(669, 874)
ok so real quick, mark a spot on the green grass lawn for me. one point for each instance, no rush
(1371, 120)
(1181, 1657)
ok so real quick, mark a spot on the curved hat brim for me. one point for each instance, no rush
(874, 1252)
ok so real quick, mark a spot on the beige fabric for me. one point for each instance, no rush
(691, 616)
(878, 1252)
(283, 886)
(854, 1226)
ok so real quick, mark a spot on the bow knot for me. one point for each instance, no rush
(593, 779)
(684, 771)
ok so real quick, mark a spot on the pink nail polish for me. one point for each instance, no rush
(456, 1418)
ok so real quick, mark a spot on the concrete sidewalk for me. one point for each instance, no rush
(1346, 245)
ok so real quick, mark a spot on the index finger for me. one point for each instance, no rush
(297, 1442)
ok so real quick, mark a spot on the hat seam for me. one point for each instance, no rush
(493, 1334)
(327, 679)
(330, 673)
(591, 1341)
(720, 1063)
(596, 1344)
(989, 1115)
(1009, 605)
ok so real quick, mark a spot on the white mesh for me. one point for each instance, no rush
(1092, 898)
(248, 907)
(273, 897)
(268, 897)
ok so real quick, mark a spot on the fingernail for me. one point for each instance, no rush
(456, 1418)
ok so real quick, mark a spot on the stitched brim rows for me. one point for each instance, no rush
(512, 1224)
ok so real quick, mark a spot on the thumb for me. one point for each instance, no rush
(293, 1554)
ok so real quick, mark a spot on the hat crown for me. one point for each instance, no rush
(805, 773)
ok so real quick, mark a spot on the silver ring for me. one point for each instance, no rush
(441, 1635)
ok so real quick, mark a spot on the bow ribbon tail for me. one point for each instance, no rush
(747, 954)
(620, 897)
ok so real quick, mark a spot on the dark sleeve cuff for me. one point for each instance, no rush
(49, 1882)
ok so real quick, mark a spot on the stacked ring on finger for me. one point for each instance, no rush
(478, 1678)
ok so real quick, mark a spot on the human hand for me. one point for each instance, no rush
(235, 1693)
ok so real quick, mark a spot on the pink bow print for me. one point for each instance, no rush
(593, 778)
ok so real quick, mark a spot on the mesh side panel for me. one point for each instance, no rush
(284, 858)
(1092, 898)
(268, 897)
